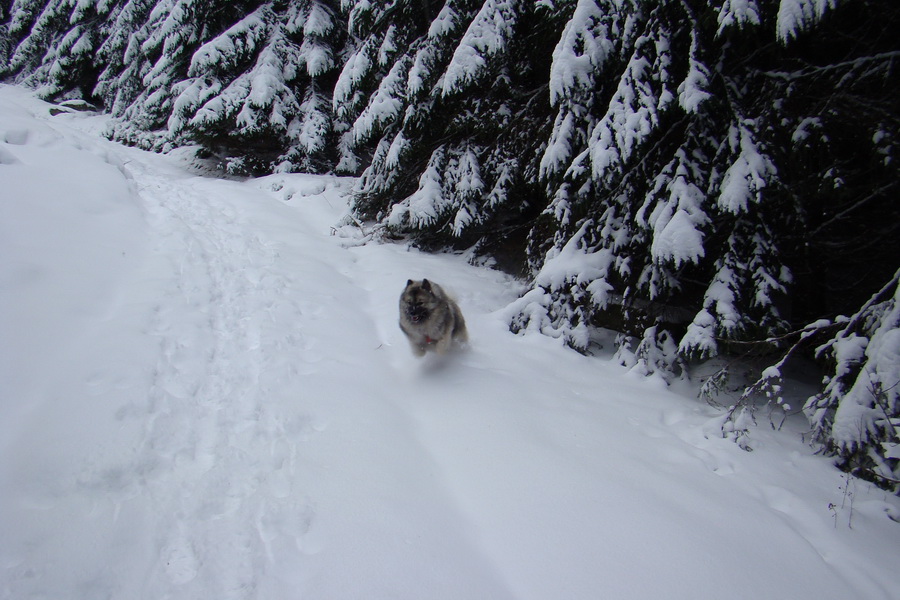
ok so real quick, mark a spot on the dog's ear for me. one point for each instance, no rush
(426, 285)
(408, 282)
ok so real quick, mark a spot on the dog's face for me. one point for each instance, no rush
(418, 300)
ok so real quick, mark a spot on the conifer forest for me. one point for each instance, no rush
(715, 181)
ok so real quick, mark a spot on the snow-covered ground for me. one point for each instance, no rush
(205, 395)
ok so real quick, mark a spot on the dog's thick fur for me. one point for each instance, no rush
(430, 319)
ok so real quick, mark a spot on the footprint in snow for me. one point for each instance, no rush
(181, 561)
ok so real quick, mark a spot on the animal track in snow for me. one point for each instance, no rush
(181, 562)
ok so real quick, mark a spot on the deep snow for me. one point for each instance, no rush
(205, 394)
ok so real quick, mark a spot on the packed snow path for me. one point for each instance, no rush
(205, 394)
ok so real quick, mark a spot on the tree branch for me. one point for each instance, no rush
(851, 64)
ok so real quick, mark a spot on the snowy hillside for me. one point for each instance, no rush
(205, 394)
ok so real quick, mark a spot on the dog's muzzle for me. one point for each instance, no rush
(417, 313)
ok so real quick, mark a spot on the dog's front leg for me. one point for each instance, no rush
(418, 348)
(443, 345)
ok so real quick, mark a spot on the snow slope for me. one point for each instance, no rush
(205, 394)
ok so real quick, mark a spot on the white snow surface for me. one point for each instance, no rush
(205, 394)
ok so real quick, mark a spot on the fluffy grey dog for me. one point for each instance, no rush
(430, 319)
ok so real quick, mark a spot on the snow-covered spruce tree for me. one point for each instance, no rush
(128, 54)
(120, 83)
(145, 64)
(856, 417)
(840, 120)
(250, 80)
(445, 101)
(4, 36)
(316, 138)
(259, 92)
(19, 18)
(733, 179)
(628, 167)
(179, 56)
(52, 45)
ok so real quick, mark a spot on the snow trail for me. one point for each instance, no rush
(207, 396)
(207, 418)
(249, 359)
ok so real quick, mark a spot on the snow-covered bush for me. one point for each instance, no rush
(857, 414)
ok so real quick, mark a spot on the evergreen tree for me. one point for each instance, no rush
(251, 81)
(450, 120)
(4, 36)
(120, 81)
(256, 92)
(856, 414)
(710, 185)
(640, 235)
(160, 49)
(55, 43)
